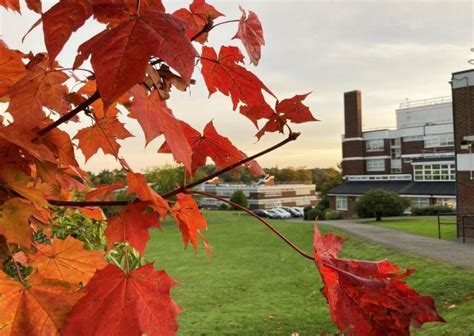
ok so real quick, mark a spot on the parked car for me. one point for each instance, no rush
(284, 214)
(273, 214)
(261, 213)
(299, 210)
(292, 211)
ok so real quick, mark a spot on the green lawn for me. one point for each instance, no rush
(256, 285)
(423, 226)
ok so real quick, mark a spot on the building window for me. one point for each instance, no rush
(395, 142)
(395, 153)
(420, 202)
(413, 138)
(396, 170)
(374, 145)
(450, 202)
(376, 165)
(439, 140)
(341, 203)
(434, 172)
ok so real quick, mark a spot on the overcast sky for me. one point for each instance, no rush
(390, 50)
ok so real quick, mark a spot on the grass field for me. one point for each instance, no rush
(423, 226)
(256, 285)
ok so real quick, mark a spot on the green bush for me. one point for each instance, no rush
(432, 210)
(239, 197)
(323, 204)
(324, 213)
(333, 214)
(379, 203)
(223, 206)
(313, 213)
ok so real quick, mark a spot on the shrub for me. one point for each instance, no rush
(333, 214)
(324, 213)
(239, 197)
(379, 203)
(313, 213)
(223, 206)
(432, 210)
(323, 204)
(305, 211)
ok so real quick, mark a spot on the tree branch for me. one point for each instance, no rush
(79, 108)
(267, 224)
(291, 137)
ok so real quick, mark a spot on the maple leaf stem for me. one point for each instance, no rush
(224, 22)
(291, 137)
(260, 219)
(10, 252)
(79, 108)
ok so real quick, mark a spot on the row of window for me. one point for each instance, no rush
(431, 141)
(434, 172)
(419, 202)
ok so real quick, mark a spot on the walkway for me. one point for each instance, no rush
(450, 252)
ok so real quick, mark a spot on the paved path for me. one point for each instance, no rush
(451, 252)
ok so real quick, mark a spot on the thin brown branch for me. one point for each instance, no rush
(79, 108)
(18, 272)
(260, 219)
(291, 137)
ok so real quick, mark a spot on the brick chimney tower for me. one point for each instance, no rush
(352, 143)
(462, 85)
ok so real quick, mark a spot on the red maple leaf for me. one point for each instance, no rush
(102, 134)
(251, 34)
(199, 15)
(114, 12)
(41, 87)
(138, 185)
(369, 298)
(156, 118)
(11, 4)
(131, 225)
(189, 219)
(103, 192)
(128, 304)
(12, 68)
(37, 309)
(211, 144)
(120, 56)
(224, 73)
(61, 20)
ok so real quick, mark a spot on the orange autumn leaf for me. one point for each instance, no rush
(102, 135)
(12, 68)
(67, 260)
(14, 221)
(189, 219)
(138, 185)
(131, 225)
(11, 4)
(123, 304)
(38, 309)
(251, 34)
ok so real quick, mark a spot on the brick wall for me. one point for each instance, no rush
(352, 114)
(463, 117)
(353, 167)
(353, 149)
(412, 147)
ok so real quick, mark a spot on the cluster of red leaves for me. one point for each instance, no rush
(369, 298)
(142, 54)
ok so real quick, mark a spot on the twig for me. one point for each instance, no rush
(20, 278)
(79, 108)
(267, 224)
(291, 137)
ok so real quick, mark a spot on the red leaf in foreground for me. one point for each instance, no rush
(11, 4)
(251, 34)
(197, 17)
(369, 298)
(131, 225)
(210, 144)
(37, 310)
(138, 185)
(12, 68)
(61, 20)
(118, 304)
(224, 73)
(102, 134)
(103, 192)
(294, 110)
(156, 118)
(120, 56)
(189, 219)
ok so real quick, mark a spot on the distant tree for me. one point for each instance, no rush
(168, 177)
(379, 203)
(290, 174)
(106, 176)
(326, 179)
(239, 197)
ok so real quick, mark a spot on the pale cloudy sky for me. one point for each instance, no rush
(390, 50)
